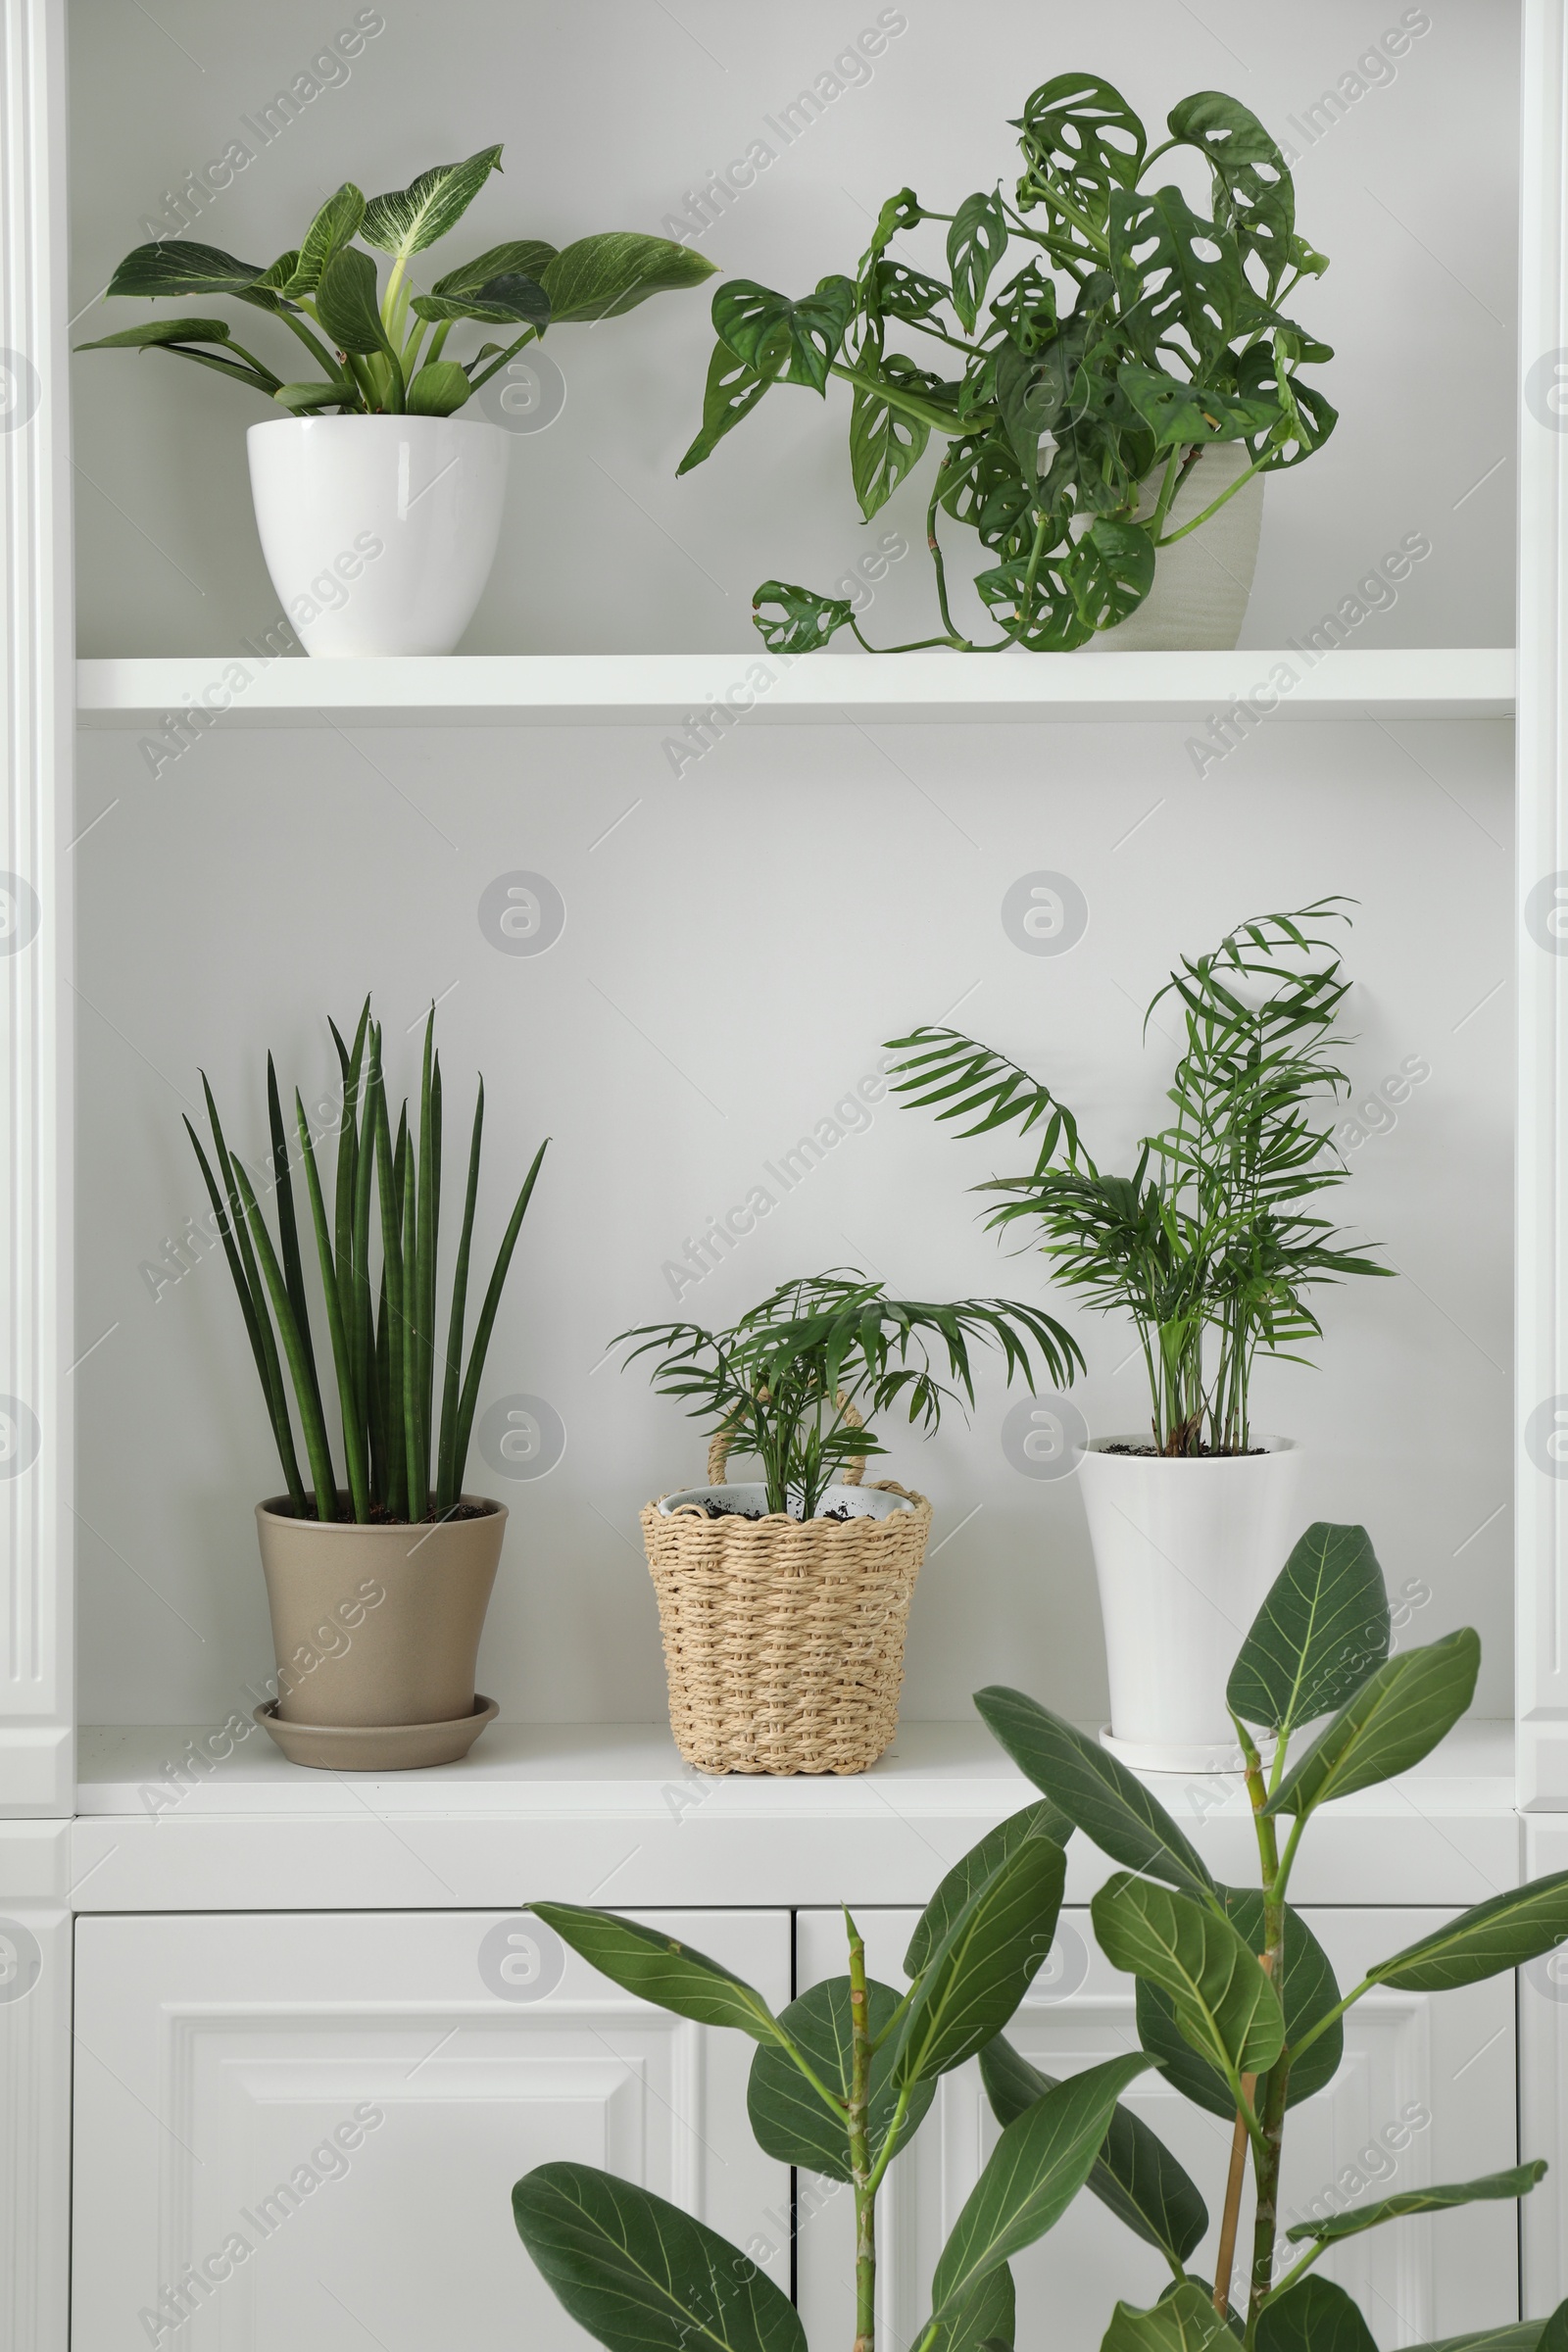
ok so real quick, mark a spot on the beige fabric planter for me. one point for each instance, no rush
(377, 1626)
(784, 1638)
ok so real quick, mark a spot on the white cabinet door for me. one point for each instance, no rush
(1426, 2093)
(303, 2131)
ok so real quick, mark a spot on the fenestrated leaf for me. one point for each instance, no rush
(1396, 1717)
(1182, 413)
(1308, 1993)
(335, 225)
(177, 265)
(405, 221)
(1183, 2321)
(984, 1964)
(1111, 571)
(806, 621)
(971, 1870)
(1505, 1931)
(1225, 2006)
(642, 2275)
(439, 388)
(1135, 2174)
(519, 257)
(601, 276)
(732, 391)
(1032, 2176)
(659, 1969)
(977, 239)
(1173, 297)
(346, 302)
(784, 341)
(1108, 1803)
(1080, 138)
(1322, 1629)
(1255, 193)
(1516, 2182)
(884, 444)
(789, 2117)
(1316, 2316)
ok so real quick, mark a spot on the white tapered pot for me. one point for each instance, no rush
(1203, 583)
(378, 531)
(1184, 1552)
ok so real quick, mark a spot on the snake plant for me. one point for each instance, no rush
(369, 343)
(400, 1461)
(1236, 2007)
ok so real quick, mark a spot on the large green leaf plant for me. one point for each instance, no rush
(1071, 398)
(367, 341)
(1237, 2006)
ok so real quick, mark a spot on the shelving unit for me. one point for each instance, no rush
(496, 689)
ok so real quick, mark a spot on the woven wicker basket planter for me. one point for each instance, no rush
(783, 1638)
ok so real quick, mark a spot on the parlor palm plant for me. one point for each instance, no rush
(1237, 2006)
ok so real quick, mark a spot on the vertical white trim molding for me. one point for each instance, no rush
(37, 1765)
(1541, 1342)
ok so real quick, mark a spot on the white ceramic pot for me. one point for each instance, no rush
(1201, 585)
(751, 1496)
(1184, 1553)
(378, 531)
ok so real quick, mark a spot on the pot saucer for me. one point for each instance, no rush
(376, 1746)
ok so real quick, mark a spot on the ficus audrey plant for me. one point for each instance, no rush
(795, 1380)
(1237, 2006)
(367, 342)
(401, 1461)
(1208, 1245)
(1071, 402)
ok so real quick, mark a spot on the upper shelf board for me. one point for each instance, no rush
(1240, 689)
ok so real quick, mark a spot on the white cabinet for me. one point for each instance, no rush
(1435, 2074)
(315, 2123)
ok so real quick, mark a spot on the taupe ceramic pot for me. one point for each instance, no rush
(378, 1624)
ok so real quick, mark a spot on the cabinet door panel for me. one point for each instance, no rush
(315, 2123)
(1426, 2093)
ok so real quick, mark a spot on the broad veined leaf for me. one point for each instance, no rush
(1225, 2006)
(1255, 195)
(301, 399)
(335, 225)
(1316, 2316)
(977, 239)
(1135, 2174)
(1032, 2176)
(797, 620)
(733, 391)
(405, 221)
(1183, 2321)
(789, 2117)
(1516, 2182)
(1396, 1717)
(659, 1969)
(985, 1963)
(604, 275)
(157, 331)
(1322, 1629)
(519, 257)
(439, 388)
(1108, 1803)
(176, 265)
(971, 1870)
(1505, 1931)
(642, 2275)
(510, 300)
(1173, 297)
(884, 444)
(987, 2323)
(1080, 138)
(785, 342)
(346, 302)
(1111, 571)
(1309, 1994)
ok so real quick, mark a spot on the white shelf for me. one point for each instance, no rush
(636, 689)
(608, 1813)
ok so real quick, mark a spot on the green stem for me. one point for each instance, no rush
(1323, 2024)
(1199, 520)
(860, 2146)
(530, 334)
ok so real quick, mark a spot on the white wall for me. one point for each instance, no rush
(735, 950)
